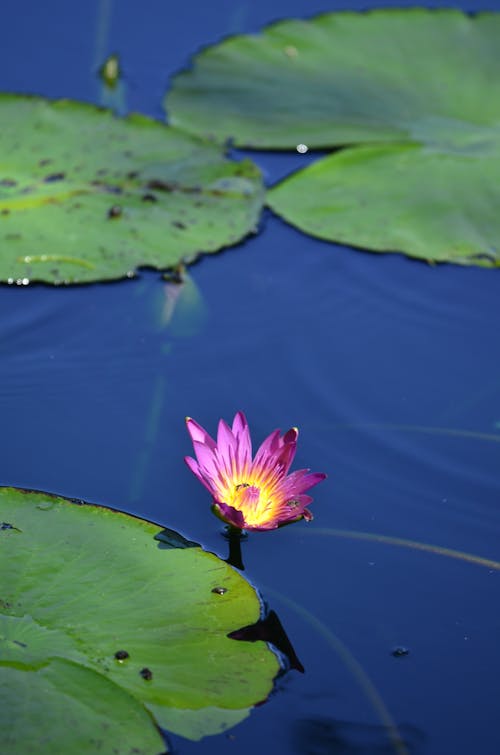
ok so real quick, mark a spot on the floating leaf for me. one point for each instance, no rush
(101, 621)
(432, 205)
(60, 707)
(423, 84)
(87, 196)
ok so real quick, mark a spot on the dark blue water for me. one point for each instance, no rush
(390, 368)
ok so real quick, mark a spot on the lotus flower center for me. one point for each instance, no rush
(247, 499)
(244, 495)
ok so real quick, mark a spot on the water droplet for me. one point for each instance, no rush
(400, 651)
(302, 148)
(45, 505)
(146, 674)
(121, 655)
(220, 590)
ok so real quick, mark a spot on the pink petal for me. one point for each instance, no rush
(295, 509)
(225, 437)
(226, 448)
(240, 423)
(300, 481)
(244, 444)
(266, 450)
(195, 469)
(206, 458)
(197, 432)
(287, 455)
(291, 435)
(230, 515)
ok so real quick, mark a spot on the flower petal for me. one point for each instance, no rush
(229, 514)
(240, 424)
(244, 445)
(198, 433)
(291, 435)
(258, 495)
(206, 458)
(266, 450)
(225, 438)
(195, 469)
(286, 456)
(300, 481)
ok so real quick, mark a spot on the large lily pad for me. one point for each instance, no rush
(86, 196)
(432, 205)
(101, 622)
(424, 85)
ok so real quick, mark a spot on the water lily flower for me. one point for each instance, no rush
(252, 494)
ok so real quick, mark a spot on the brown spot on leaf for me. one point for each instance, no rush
(155, 183)
(52, 177)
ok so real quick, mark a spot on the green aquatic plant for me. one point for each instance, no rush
(87, 196)
(412, 97)
(111, 627)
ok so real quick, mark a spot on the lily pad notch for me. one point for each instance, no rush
(409, 98)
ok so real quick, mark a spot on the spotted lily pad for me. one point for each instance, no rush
(86, 196)
(108, 629)
(413, 94)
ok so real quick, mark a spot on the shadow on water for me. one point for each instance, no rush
(327, 736)
(270, 629)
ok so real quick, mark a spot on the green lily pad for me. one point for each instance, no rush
(422, 84)
(62, 707)
(435, 206)
(87, 196)
(104, 618)
(345, 78)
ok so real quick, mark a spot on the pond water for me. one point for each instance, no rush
(390, 368)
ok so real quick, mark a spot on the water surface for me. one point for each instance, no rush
(390, 368)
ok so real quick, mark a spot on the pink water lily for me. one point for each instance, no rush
(252, 494)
